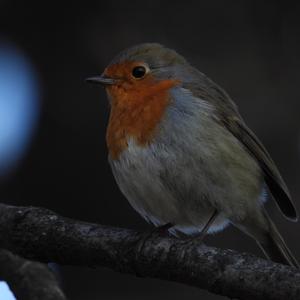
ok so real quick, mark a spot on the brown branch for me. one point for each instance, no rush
(39, 234)
(28, 280)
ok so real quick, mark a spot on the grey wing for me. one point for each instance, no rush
(272, 176)
(227, 113)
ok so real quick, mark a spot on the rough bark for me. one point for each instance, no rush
(28, 280)
(40, 234)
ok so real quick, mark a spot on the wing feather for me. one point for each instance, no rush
(227, 113)
(272, 176)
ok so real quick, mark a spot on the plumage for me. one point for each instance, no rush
(135, 111)
(227, 113)
(180, 151)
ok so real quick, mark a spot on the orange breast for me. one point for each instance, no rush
(136, 109)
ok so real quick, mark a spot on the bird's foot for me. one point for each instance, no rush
(199, 238)
(189, 244)
(148, 234)
(140, 244)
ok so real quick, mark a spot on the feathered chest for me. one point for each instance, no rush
(135, 113)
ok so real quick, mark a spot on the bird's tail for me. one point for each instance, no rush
(274, 247)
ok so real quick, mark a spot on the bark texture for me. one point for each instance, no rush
(40, 234)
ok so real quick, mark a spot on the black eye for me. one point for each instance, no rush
(139, 72)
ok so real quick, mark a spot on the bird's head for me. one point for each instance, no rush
(139, 82)
(141, 72)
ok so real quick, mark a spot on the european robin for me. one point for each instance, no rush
(183, 156)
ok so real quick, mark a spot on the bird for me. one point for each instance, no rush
(183, 156)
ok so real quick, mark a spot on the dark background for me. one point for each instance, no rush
(251, 48)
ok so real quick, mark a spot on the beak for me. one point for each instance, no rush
(102, 80)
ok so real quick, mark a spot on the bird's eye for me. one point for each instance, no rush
(139, 72)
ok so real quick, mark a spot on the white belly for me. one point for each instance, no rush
(140, 173)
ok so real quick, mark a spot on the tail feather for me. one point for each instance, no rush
(274, 246)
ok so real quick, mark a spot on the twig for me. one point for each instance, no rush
(40, 234)
(28, 280)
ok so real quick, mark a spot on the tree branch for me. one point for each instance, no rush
(28, 280)
(40, 234)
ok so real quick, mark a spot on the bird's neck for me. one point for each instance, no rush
(136, 114)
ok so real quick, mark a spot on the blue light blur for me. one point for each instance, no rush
(5, 293)
(19, 105)
(19, 108)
